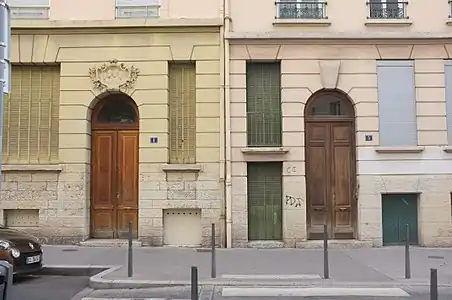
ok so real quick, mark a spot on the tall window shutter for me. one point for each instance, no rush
(182, 113)
(264, 192)
(396, 94)
(263, 104)
(31, 116)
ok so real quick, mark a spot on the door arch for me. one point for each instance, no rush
(114, 166)
(330, 165)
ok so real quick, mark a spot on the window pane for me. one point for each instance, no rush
(117, 112)
(330, 105)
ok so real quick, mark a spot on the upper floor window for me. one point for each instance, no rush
(263, 104)
(137, 9)
(300, 9)
(397, 103)
(31, 116)
(29, 9)
(387, 9)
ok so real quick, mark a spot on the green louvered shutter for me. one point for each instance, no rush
(264, 200)
(263, 104)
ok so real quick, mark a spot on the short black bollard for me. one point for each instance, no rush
(194, 283)
(130, 253)
(407, 253)
(213, 271)
(326, 269)
(433, 284)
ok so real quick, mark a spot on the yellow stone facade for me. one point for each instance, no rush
(61, 192)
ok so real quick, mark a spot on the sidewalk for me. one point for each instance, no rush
(383, 265)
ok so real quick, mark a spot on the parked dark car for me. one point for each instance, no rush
(21, 250)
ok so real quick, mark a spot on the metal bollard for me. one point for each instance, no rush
(326, 269)
(407, 253)
(130, 252)
(433, 284)
(213, 271)
(194, 283)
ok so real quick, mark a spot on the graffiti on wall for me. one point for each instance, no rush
(293, 201)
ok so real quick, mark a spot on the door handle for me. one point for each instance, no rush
(275, 218)
(318, 209)
(342, 209)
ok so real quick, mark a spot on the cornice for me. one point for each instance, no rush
(310, 37)
(115, 26)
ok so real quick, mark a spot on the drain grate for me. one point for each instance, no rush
(435, 257)
(69, 250)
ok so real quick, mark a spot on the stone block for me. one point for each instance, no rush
(32, 186)
(181, 195)
(153, 195)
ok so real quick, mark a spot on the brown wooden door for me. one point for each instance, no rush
(114, 200)
(330, 179)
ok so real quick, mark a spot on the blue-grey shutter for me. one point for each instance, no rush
(448, 77)
(397, 103)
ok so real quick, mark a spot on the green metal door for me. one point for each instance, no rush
(264, 201)
(398, 210)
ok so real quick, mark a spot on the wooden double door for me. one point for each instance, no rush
(114, 186)
(330, 178)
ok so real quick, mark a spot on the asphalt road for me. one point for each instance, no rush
(48, 287)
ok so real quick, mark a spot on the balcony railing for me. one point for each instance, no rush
(300, 10)
(137, 12)
(29, 12)
(387, 10)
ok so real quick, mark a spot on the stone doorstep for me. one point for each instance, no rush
(313, 244)
(335, 244)
(110, 243)
(266, 244)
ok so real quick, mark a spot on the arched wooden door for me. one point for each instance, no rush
(330, 165)
(114, 167)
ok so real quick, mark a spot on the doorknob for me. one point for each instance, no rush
(117, 195)
(342, 209)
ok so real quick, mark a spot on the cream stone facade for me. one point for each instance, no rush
(53, 201)
(340, 52)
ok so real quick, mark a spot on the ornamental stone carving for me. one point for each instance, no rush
(113, 75)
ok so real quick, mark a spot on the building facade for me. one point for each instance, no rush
(173, 115)
(339, 119)
(114, 121)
